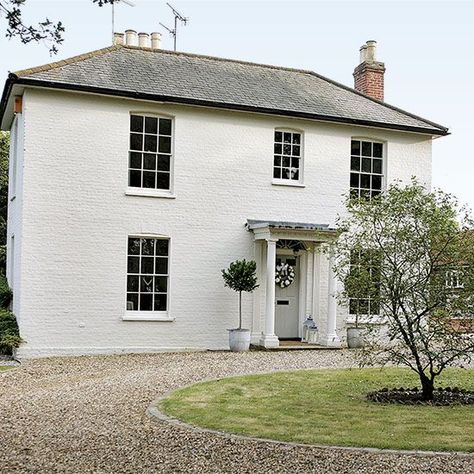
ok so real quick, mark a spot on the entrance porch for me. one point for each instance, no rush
(279, 312)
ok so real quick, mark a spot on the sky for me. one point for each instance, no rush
(427, 47)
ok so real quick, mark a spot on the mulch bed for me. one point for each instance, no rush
(413, 396)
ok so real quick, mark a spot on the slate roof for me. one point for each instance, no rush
(202, 80)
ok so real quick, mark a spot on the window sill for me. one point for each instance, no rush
(146, 316)
(156, 193)
(350, 321)
(277, 182)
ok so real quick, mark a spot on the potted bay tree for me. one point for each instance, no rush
(240, 277)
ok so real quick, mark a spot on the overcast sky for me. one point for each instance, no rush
(427, 47)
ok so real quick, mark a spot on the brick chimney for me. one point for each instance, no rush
(368, 75)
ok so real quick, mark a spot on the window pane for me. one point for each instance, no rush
(135, 179)
(149, 179)
(161, 246)
(132, 302)
(146, 302)
(286, 161)
(354, 180)
(355, 147)
(151, 125)
(133, 246)
(296, 138)
(287, 137)
(355, 163)
(295, 163)
(296, 150)
(277, 173)
(277, 161)
(147, 265)
(160, 302)
(163, 181)
(363, 306)
(136, 123)
(135, 160)
(165, 127)
(163, 163)
(149, 161)
(377, 182)
(365, 181)
(146, 284)
(161, 266)
(165, 145)
(132, 283)
(353, 306)
(287, 149)
(277, 148)
(150, 143)
(286, 173)
(295, 174)
(136, 141)
(366, 165)
(278, 137)
(366, 149)
(148, 246)
(377, 150)
(161, 284)
(133, 264)
(377, 166)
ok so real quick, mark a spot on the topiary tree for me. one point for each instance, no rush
(397, 255)
(241, 276)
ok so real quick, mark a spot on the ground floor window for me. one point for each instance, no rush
(147, 274)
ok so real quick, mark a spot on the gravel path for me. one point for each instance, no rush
(88, 414)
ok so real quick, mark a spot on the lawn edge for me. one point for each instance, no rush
(155, 413)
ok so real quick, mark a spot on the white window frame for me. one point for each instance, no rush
(152, 192)
(453, 279)
(138, 315)
(371, 173)
(288, 181)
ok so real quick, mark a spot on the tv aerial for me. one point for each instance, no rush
(177, 17)
(127, 2)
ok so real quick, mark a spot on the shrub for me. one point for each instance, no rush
(9, 334)
(5, 292)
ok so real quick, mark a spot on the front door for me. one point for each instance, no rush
(286, 302)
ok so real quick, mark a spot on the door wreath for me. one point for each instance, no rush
(284, 276)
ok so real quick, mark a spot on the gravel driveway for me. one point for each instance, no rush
(88, 414)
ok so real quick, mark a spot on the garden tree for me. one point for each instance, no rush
(397, 256)
(45, 29)
(4, 149)
(241, 276)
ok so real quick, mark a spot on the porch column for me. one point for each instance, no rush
(256, 333)
(316, 285)
(268, 338)
(331, 339)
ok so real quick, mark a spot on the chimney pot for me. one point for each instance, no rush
(119, 38)
(156, 40)
(143, 40)
(131, 38)
(369, 74)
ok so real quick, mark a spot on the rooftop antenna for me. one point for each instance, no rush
(177, 16)
(127, 2)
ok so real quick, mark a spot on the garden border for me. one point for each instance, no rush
(154, 412)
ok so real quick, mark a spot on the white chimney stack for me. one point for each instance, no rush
(143, 40)
(131, 38)
(156, 40)
(119, 38)
(371, 47)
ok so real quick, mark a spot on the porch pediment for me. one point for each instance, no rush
(263, 230)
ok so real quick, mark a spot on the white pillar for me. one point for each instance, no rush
(256, 332)
(302, 292)
(316, 286)
(268, 338)
(331, 339)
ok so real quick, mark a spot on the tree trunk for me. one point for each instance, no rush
(427, 386)
(240, 310)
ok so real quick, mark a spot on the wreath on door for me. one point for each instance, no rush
(284, 275)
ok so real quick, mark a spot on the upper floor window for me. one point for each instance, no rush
(366, 168)
(287, 156)
(454, 279)
(150, 152)
(147, 274)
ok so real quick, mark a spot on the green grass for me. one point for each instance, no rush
(328, 407)
(5, 367)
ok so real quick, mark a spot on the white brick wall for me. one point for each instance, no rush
(76, 216)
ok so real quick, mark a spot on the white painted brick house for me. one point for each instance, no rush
(137, 174)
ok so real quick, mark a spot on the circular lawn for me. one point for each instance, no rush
(328, 407)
